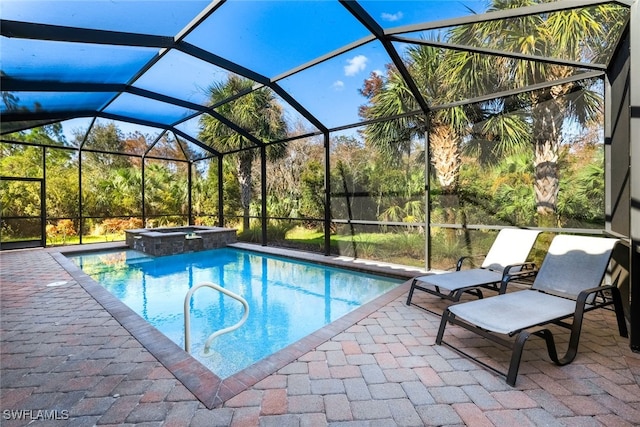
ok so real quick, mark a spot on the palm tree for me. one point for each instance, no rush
(557, 35)
(160, 196)
(391, 96)
(394, 138)
(126, 185)
(259, 114)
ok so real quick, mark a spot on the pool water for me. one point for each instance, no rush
(288, 299)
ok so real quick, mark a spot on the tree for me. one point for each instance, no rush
(205, 191)
(259, 114)
(557, 35)
(389, 95)
(166, 189)
(104, 138)
(312, 201)
(19, 198)
(62, 184)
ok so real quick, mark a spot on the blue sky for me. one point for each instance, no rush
(270, 37)
(273, 37)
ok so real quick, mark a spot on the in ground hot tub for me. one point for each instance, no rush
(177, 240)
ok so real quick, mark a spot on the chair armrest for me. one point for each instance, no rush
(464, 258)
(616, 301)
(581, 301)
(527, 269)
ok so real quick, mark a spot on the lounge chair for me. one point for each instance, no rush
(568, 284)
(508, 254)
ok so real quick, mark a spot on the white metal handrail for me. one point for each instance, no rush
(187, 317)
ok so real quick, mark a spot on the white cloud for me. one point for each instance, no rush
(338, 85)
(392, 17)
(355, 65)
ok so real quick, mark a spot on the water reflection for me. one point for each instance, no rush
(288, 299)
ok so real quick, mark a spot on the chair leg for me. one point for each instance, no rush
(617, 304)
(518, 347)
(576, 328)
(443, 324)
(413, 287)
(516, 356)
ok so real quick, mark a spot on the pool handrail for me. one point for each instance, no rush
(187, 317)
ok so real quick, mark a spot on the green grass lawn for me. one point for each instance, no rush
(399, 248)
(405, 248)
(75, 240)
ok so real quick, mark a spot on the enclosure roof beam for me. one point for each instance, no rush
(250, 74)
(344, 49)
(21, 85)
(195, 141)
(500, 53)
(365, 19)
(29, 30)
(11, 84)
(157, 125)
(529, 88)
(536, 9)
(54, 116)
(484, 98)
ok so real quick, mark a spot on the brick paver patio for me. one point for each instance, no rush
(65, 356)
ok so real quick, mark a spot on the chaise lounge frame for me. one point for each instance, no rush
(582, 296)
(505, 261)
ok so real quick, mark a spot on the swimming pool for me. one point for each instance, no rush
(288, 299)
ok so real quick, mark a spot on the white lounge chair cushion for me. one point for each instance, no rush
(514, 311)
(462, 279)
(511, 246)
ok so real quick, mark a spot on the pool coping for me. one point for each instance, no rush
(206, 386)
